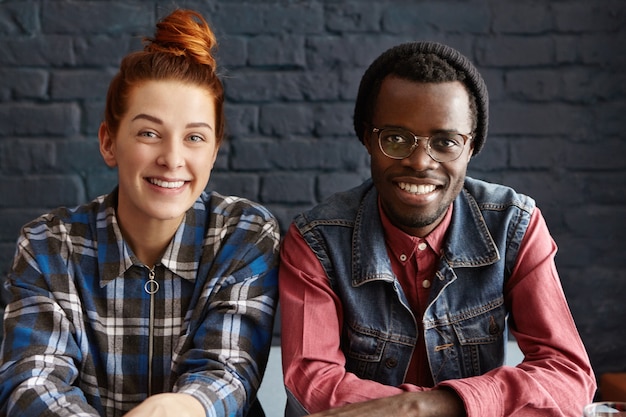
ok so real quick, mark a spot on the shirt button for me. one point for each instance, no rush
(426, 283)
(403, 257)
(422, 246)
(391, 362)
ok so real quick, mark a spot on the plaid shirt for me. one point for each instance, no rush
(85, 338)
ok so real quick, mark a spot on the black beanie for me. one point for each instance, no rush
(382, 66)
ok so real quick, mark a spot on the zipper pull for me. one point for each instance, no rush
(151, 286)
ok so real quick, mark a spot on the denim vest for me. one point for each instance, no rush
(465, 318)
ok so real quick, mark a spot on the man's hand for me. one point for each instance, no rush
(168, 405)
(435, 403)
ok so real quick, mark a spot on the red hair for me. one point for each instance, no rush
(180, 51)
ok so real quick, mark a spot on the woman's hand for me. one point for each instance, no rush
(168, 405)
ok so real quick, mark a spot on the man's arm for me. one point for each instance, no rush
(435, 403)
(311, 314)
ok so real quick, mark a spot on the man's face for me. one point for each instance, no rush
(416, 191)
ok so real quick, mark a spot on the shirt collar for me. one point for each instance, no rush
(400, 242)
(115, 257)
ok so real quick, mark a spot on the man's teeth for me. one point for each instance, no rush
(417, 188)
(167, 184)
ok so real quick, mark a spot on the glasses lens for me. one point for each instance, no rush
(445, 147)
(395, 143)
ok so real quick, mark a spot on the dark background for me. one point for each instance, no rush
(555, 71)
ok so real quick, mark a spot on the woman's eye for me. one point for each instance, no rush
(148, 134)
(196, 138)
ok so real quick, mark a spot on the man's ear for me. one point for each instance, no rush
(367, 140)
(107, 146)
(471, 150)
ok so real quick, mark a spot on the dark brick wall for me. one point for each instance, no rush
(555, 70)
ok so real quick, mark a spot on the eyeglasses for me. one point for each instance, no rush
(399, 143)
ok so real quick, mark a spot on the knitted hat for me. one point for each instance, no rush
(385, 64)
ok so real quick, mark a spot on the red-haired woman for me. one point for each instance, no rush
(157, 299)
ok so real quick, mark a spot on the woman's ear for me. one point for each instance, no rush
(107, 146)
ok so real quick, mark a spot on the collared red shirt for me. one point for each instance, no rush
(414, 263)
(85, 336)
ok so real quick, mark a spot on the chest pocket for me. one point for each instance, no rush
(480, 335)
(376, 355)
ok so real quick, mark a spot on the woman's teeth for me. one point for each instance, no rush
(417, 188)
(167, 184)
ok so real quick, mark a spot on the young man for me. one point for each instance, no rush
(398, 291)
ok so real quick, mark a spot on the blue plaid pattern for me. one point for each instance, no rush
(78, 327)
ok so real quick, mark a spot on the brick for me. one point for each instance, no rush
(328, 184)
(39, 119)
(288, 188)
(309, 86)
(44, 51)
(99, 183)
(281, 17)
(251, 86)
(547, 188)
(241, 119)
(241, 185)
(353, 16)
(277, 50)
(585, 85)
(534, 85)
(515, 51)
(285, 119)
(334, 119)
(494, 156)
(23, 83)
(93, 115)
(593, 220)
(232, 51)
(27, 156)
(522, 18)
(347, 51)
(339, 154)
(608, 119)
(12, 220)
(584, 16)
(537, 153)
(103, 50)
(605, 155)
(539, 119)
(79, 156)
(603, 49)
(85, 84)
(43, 191)
(406, 18)
(349, 81)
(18, 18)
(86, 17)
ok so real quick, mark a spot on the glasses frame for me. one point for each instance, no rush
(416, 139)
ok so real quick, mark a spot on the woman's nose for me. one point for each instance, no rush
(171, 154)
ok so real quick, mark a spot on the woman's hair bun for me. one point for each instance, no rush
(184, 33)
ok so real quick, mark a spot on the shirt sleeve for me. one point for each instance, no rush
(555, 377)
(39, 350)
(231, 331)
(311, 317)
